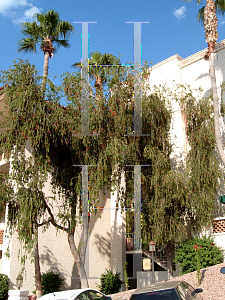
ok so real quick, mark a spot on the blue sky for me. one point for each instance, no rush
(173, 29)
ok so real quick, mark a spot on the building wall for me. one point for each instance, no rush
(2, 227)
(104, 251)
(192, 71)
(106, 246)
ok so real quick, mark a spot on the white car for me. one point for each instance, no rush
(79, 294)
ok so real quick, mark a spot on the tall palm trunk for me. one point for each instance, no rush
(98, 87)
(45, 70)
(47, 49)
(219, 143)
(169, 255)
(211, 35)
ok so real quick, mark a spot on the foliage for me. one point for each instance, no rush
(45, 30)
(45, 27)
(220, 9)
(171, 195)
(208, 253)
(110, 282)
(198, 261)
(202, 163)
(51, 282)
(4, 286)
(126, 279)
(101, 68)
(3, 195)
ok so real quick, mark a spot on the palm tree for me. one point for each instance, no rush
(98, 68)
(46, 30)
(219, 5)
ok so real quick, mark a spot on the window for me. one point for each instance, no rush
(189, 290)
(169, 294)
(181, 292)
(83, 296)
(97, 296)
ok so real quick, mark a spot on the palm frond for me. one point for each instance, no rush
(76, 65)
(27, 45)
(64, 29)
(220, 6)
(30, 29)
(220, 9)
(64, 43)
(198, 1)
(200, 16)
(52, 17)
(98, 63)
(46, 27)
(40, 18)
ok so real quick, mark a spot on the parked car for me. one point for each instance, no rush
(79, 294)
(171, 290)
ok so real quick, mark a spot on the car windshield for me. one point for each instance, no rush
(169, 294)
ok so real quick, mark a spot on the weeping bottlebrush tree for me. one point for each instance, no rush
(43, 138)
(202, 163)
(39, 136)
(174, 198)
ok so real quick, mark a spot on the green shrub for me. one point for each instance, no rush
(51, 282)
(110, 282)
(4, 286)
(197, 253)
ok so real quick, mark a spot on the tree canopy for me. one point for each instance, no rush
(172, 197)
(219, 5)
(49, 32)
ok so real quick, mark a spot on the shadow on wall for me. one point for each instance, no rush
(49, 260)
(203, 275)
(104, 246)
(74, 278)
(118, 242)
(204, 75)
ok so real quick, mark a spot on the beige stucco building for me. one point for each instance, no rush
(107, 236)
(105, 250)
(193, 71)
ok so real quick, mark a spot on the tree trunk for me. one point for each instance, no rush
(85, 224)
(219, 143)
(37, 270)
(84, 239)
(79, 263)
(98, 88)
(169, 254)
(45, 71)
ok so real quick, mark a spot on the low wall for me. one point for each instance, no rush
(145, 278)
